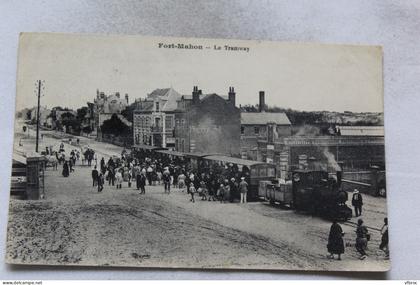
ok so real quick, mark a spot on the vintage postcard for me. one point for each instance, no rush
(198, 153)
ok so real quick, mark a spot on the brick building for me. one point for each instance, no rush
(261, 126)
(208, 123)
(353, 152)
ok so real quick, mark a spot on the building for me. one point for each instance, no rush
(373, 131)
(352, 152)
(44, 113)
(105, 106)
(88, 120)
(154, 118)
(208, 123)
(261, 126)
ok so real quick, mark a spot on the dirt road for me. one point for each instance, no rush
(77, 225)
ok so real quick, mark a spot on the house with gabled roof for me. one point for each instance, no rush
(207, 123)
(262, 126)
(153, 118)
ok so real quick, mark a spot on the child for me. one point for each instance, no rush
(203, 190)
(192, 191)
(221, 193)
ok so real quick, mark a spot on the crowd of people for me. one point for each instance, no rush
(336, 243)
(211, 183)
(225, 184)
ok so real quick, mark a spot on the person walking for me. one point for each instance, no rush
(167, 180)
(95, 175)
(221, 193)
(149, 175)
(384, 239)
(335, 240)
(227, 193)
(111, 176)
(141, 183)
(66, 171)
(362, 237)
(357, 202)
(100, 182)
(119, 178)
(103, 167)
(191, 191)
(243, 187)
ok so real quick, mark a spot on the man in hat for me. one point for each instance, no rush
(243, 187)
(357, 202)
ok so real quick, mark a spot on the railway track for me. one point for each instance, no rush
(354, 225)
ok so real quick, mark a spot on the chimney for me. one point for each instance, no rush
(195, 95)
(261, 105)
(126, 98)
(232, 96)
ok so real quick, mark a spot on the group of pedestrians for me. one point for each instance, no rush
(335, 244)
(211, 188)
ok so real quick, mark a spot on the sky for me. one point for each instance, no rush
(301, 76)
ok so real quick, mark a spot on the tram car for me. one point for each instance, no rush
(276, 191)
(253, 171)
(317, 193)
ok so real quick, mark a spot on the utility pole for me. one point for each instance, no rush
(37, 114)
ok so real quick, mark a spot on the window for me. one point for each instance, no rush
(169, 122)
(256, 130)
(157, 106)
(242, 130)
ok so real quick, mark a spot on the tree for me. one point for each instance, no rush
(70, 121)
(87, 130)
(128, 112)
(114, 126)
(81, 113)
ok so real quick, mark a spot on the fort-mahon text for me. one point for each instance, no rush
(203, 47)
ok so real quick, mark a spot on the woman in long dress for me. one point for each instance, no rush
(335, 240)
(65, 169)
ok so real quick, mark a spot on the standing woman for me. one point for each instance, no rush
(335, 240)
(65, 169)
(119, 178)
(100, 182)
(361, 239)
(384, 240)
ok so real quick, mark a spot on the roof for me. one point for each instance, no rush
(147, 147)
(19, 158)
(198, 154)
(158, 93)
(124, 120)
(362, 130)
(171, 152)
(234, 160)
(262, 118)
(203, 96)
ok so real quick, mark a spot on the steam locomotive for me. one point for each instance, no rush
(311, 191)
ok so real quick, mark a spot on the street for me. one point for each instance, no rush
(76, 225)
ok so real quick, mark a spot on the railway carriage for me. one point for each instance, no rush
(253, 171)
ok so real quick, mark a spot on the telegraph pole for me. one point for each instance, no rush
(37, 115)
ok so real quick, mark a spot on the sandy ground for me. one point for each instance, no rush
(75, 225)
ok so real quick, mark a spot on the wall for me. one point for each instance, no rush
(211, 126)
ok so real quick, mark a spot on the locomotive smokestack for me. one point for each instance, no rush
(340, 173)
